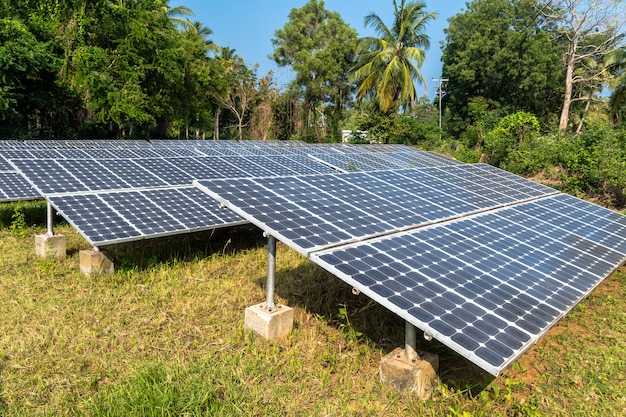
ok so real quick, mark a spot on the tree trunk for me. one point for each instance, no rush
(587, 105)
(240, 127)
(315, 123)
(216, 127)
(567, 98)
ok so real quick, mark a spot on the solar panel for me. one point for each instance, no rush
(109, 217)
(311, 164)
(487, 286)
(312, 212)
(165, 171)
(48, 176)
(355, 162)
(247, 165)
(279, 165)
(486, 277)
(14, 187)
(112, 179)
(92, 174)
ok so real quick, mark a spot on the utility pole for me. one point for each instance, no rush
(440, 95)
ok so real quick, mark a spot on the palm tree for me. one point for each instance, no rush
(179, 15)
(204, 32)
(388, 66)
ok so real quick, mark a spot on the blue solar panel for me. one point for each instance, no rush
(319, 210)
(48, 176)
(14, 187)
(487, 286)
(106, 217)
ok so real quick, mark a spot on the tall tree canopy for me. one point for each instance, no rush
(388, 66)
(319, 47)
(588, 31)
(499, 51)
(102, 68)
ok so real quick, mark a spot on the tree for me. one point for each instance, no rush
(319, 46)
(388, 66)
(617, 101)
(589, 30)
(140, 71)
(33, 100)
(500, 53)
(242, 92)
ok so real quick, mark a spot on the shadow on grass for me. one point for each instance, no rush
(318, 292)
(145, 254)
(308, 287)
(33, 212)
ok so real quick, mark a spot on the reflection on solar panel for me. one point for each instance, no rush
(482, 260)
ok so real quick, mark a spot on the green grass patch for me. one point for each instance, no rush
(23, 214)
(164, 336)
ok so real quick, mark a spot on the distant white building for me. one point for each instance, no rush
(347, 135)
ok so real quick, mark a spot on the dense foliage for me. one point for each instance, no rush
(498, 51)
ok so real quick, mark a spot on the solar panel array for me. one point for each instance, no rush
(118, 191)
(482, 260)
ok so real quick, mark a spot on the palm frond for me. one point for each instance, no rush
(388, 66)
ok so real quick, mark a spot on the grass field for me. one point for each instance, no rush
(163, 336)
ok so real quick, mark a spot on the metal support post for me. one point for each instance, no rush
(271, 272)
(410, 342)
(49, 219)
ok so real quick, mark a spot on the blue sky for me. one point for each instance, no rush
(248, 26)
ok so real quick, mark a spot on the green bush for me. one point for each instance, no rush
(591, 164)
(513, 133)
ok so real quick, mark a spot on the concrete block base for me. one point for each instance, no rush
(47, 246)
(270, 325)
(94, 262)
(417, 378)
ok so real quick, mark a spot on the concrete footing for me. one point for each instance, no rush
(270, 325)
(47, 246)
(94, 263)
(417, 378)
